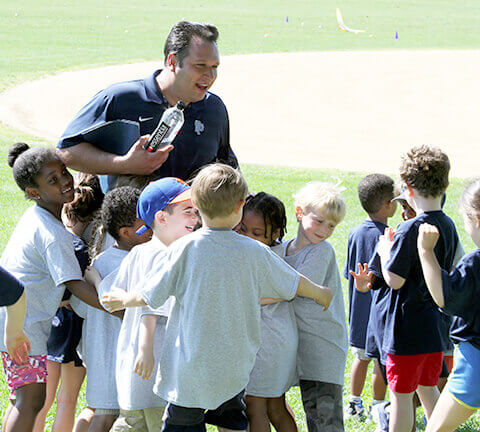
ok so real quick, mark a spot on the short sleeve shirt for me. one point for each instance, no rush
(213, 334)
(415, 324)
(40, 255)
(361, 246)
(461, 291)
(204, 137)
(11, 288)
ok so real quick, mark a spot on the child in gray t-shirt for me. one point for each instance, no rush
(322, 335)
(213, 332)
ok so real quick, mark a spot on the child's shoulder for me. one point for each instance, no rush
(47, 228)
(367, 228)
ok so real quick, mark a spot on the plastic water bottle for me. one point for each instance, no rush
(170, 124)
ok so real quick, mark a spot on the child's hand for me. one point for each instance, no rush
(144, 363)
(363, 279)
(92, 277)
(385, 243)
(427, 237)
(324, 297)
(18, 346)
(114, 300)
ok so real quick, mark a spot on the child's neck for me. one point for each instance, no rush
(378, 217)
(161, 236)
(424, 204)
(122, 245)
(296, 245)
(55, 210)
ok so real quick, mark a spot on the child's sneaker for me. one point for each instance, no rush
(355, 409)
(382, 411)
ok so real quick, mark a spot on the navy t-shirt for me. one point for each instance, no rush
(414, 324)
(11, 288)
(204, 137)
(361, 246)
(461, 291)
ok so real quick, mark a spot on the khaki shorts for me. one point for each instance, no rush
(146, 420)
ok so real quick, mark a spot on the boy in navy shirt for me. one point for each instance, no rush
(375, 192)
(414, 336)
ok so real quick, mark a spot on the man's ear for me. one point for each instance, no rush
(172, 62)
(409, 189)
(32, 193)
(298, 213)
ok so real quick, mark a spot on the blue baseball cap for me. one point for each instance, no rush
(157, 195)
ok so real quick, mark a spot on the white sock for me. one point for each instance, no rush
(355, 398)
(375, 402)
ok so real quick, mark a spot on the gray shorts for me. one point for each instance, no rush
(146, 420)
(323, 405)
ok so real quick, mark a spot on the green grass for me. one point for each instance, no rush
(42, 37)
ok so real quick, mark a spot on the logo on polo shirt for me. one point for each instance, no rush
(199, 127)
(142, 119)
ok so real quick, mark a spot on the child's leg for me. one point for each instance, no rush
(7, 413)
(323, 405)
(53, 371)
(448, 414)
(379, 388)
(70, 385)
(428, 396)
(84, 419)
(29, 401)
(279, 415)
(401, 412)
(257, 414)
(102, 422)
(358, 375)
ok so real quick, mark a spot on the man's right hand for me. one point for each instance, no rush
(141, 162)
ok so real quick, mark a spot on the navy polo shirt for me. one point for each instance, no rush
(204, 137)
(361, 246)
(11, 289)
(414, 324)
(461, 291)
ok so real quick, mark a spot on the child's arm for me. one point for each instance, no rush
(270, 300)
(118, 299)
(16, 342)
(432, 272)
(145, 360)
(84, 292)
(385, 243)
(322, 295)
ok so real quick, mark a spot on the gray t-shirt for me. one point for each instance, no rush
(99, 336)
(213, 334)
(40, 254)
(322, 335)
(134, 392)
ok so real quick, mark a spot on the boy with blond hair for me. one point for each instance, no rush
(414, 335)
(213, 334)
(322, 346)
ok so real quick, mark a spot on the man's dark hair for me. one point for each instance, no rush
(374, 190)
(180, 38)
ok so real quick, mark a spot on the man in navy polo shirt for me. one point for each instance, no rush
(191, 62)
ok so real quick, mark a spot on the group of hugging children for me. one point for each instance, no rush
(195, 311)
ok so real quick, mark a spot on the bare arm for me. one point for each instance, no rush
(84, 292)
(89, 159)
(16, 341)
(118, 299)
(385, 243)
(270, 300)
(322, 295)
(145, 360)
(432, 272)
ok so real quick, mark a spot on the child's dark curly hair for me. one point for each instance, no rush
(271, 209)
(27, 162)
(119, 209)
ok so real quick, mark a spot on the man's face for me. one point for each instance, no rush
(197, 72)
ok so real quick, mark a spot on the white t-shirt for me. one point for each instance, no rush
(99, 336)
(134, 392)
(213, 334)
(40, 254)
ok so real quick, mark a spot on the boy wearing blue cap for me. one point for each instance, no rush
(217, 278)
(165, 207)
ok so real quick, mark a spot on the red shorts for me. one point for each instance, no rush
(34, 370)
(406, 372)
